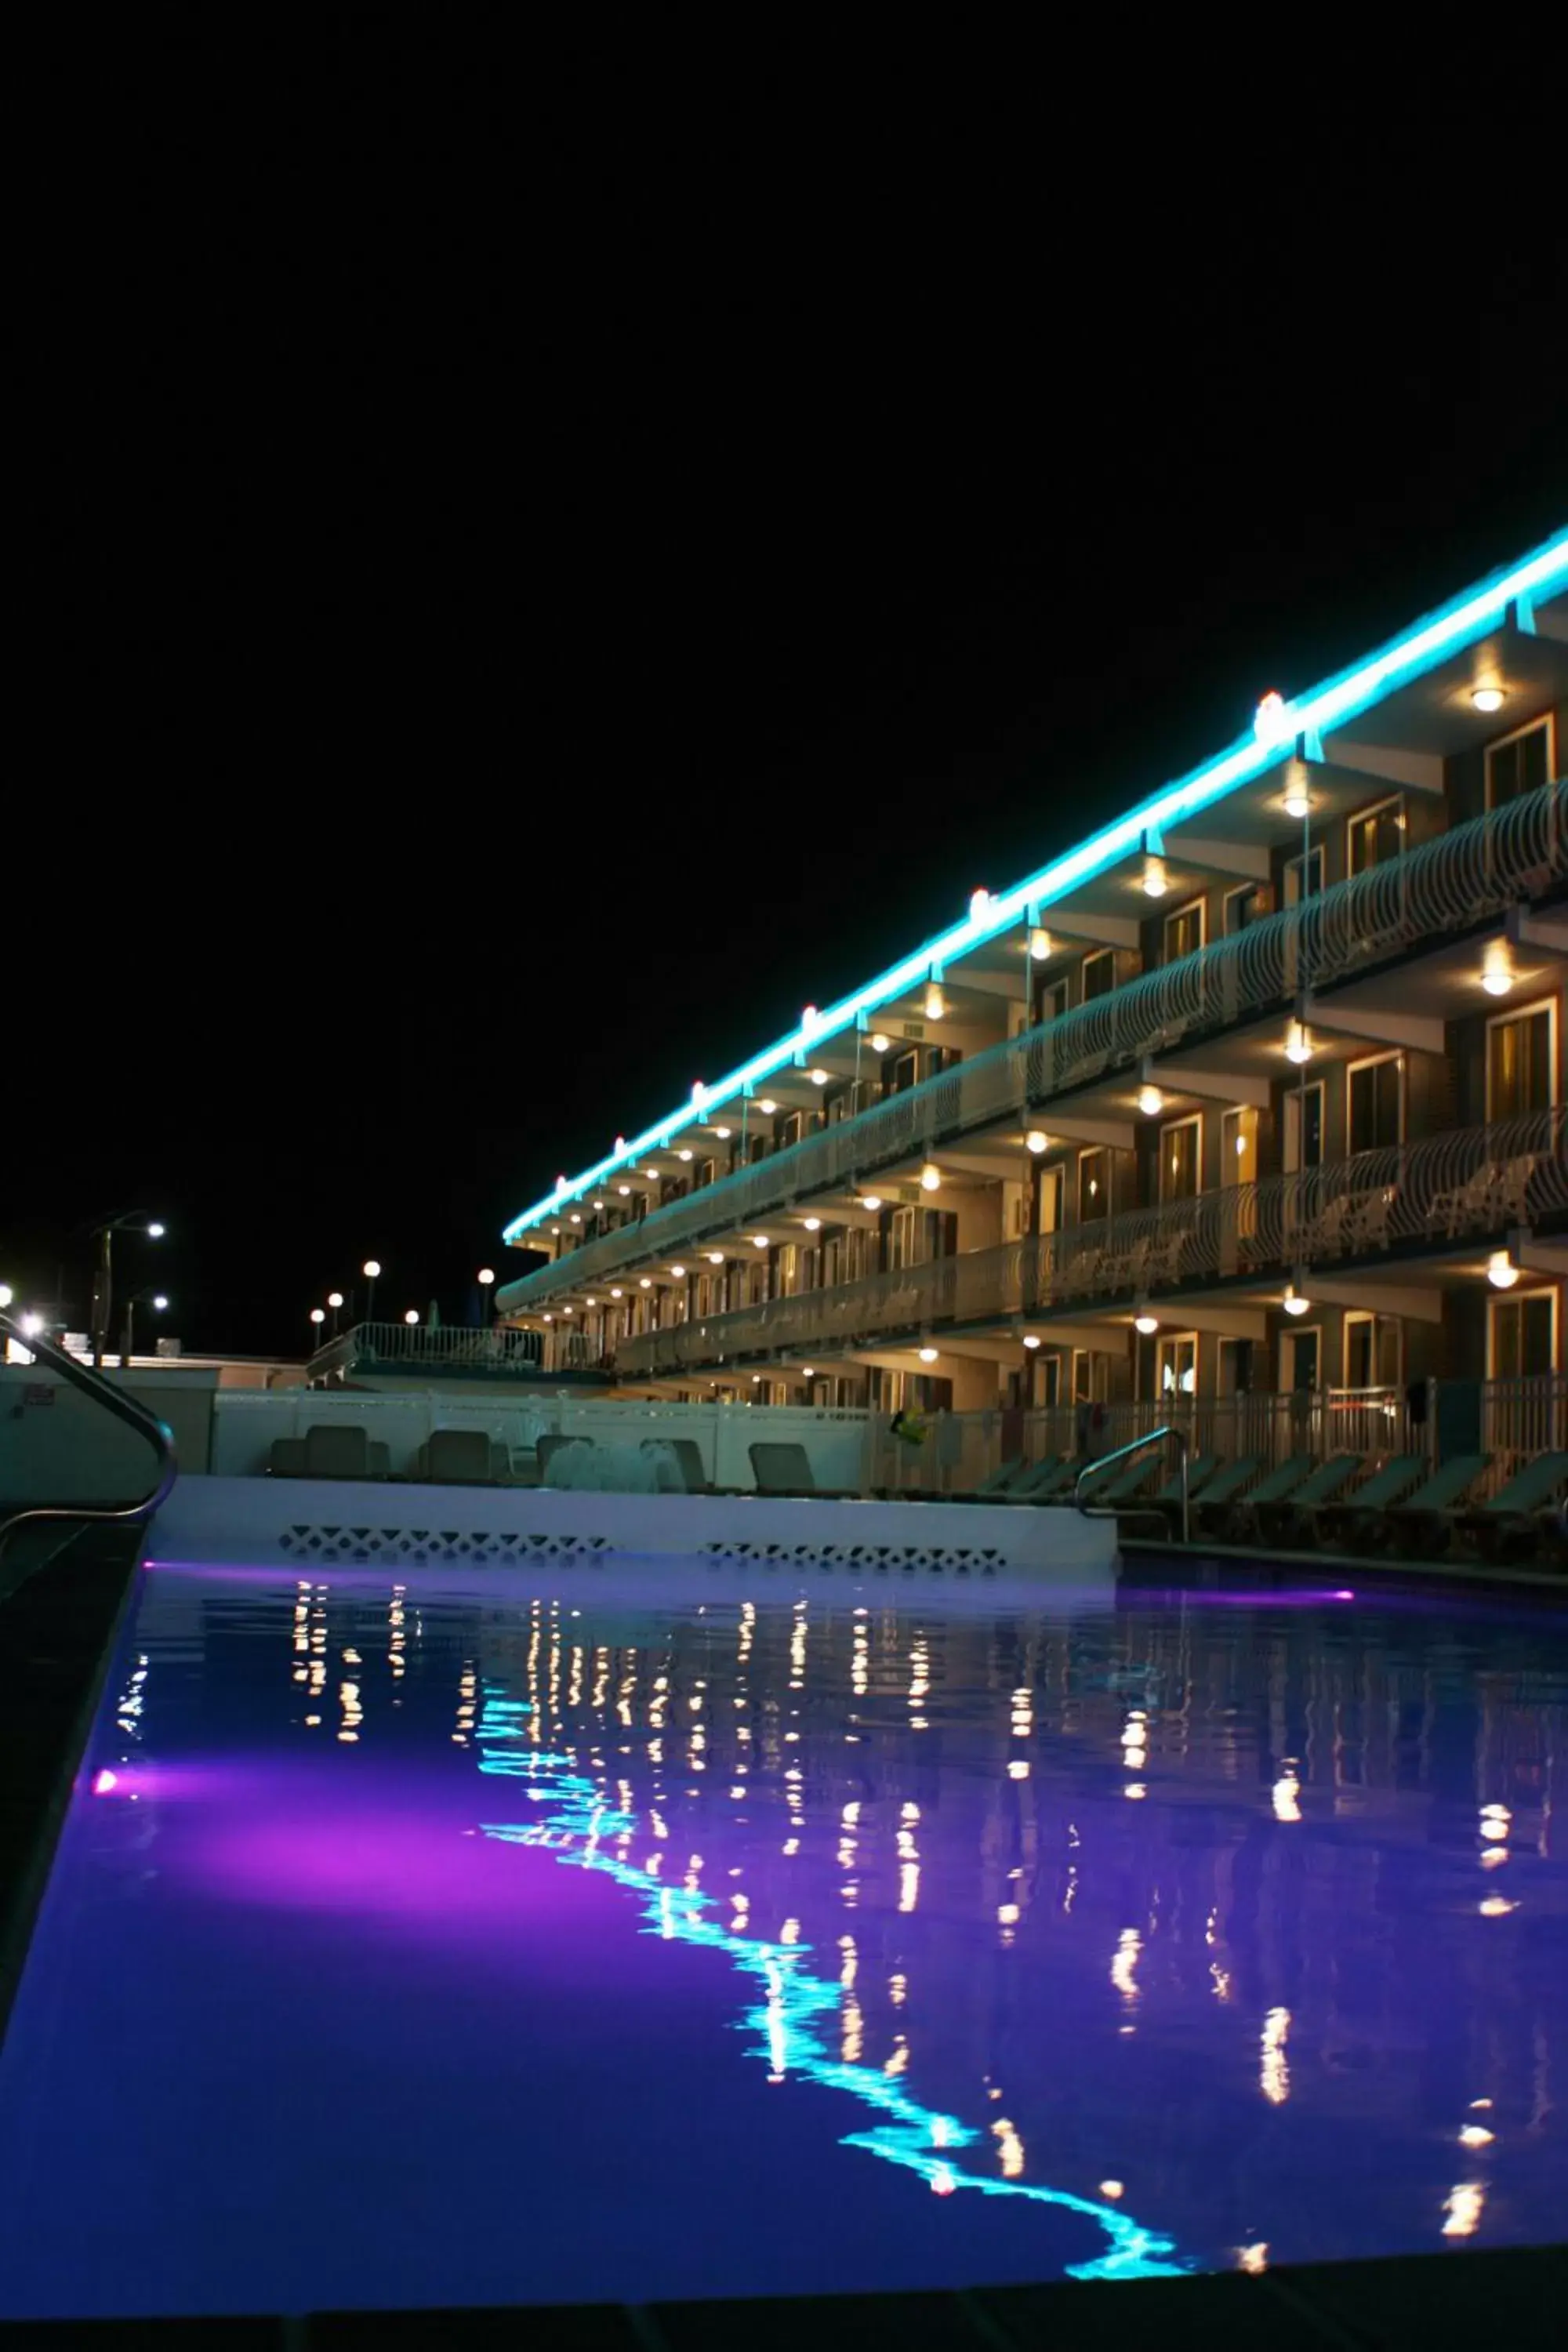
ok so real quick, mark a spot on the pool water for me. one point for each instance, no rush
(538, 1937)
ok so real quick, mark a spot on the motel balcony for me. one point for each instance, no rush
(1395, 1227)
(1387, 957)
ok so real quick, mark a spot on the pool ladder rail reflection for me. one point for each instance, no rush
(1137, 1445)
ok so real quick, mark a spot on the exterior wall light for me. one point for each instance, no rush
(928, 1355)
(881, 1041)
(1501, 1271)
(1488, 699)
(1147, 1324)
(1036, 1141)
(1293, 1302)
(1150, 1100)
(1040, 943)
(931, 1178)
(1031, 1339)
(935, 1005)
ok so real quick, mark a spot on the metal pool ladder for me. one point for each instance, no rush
(1153, 1437)
(125, 1408)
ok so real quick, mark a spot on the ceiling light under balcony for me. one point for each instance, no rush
(881, 1041)
(646, 1283)
(575, 1219)
(722, 1133)
(935, 1005)
(931, 1178)
(1297, 800)
(1037, 1140)
(1147, 1324)
(617, 1294)
(590, 1302)
(767, 1106)
(715, 1257)
(1040, 943)
(872, 1200)
(1031, 1339)
(683, 1153)
(758, 1241)
(625, 1191)
(819, 1077)
(808, 1371)
(566, 1310)
(1501, 1271)
(678, 1274)
(1497, 975)
(1150, 1101)
(1298, 1043)
(1293, 1302)
(1155, 883)
(812, 1224)
(1488, 698)
(928, 1355)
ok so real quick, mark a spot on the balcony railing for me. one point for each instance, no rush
(1466, 876)
(416, 1347)
(1478, 1180)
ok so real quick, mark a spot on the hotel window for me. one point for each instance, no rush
(1374, 836)
(1374, 1351)
(1523, 1336)
(1184, 930)
(1099, 975)
(1181, 1153)
(1093, 1185)
(1243, 907)
(1176, 1365)
(1304, 1127)
(1376, 1119)
(1238, 1146)
(1519, 763)
(1519, 1059)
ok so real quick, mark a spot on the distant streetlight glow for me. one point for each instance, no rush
(334, 1299)
(372, 1269)
(317, 1313)
(411, 1315)
(487, 1275)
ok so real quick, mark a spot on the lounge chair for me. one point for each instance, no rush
(547, 1446)
(461, 1457)
(1357, 1520)
(784, 1468)
(1419, 1528)
(1116, 1492)
(1045, 1482)
(1509, 1525)
(1289, 1520)
(1167, 1499)
(286, 1459)
(342, 1450)
(1212, 1509)
(1000, 1485)
(688, 1457)
(1241, 1519)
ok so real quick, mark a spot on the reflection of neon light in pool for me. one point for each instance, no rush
(916, 2136)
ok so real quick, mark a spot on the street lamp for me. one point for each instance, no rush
(126, 1221)
(412, 1315)
(484, 1277)
(335, 1300)
(158, 1302)
(370, 1269)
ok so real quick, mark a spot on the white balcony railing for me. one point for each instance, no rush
(414, 1347)
(1477, 1181)
(1465, 877)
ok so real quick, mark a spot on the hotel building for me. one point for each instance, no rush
(1256, 1094)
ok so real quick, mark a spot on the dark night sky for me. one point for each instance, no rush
(493, 659)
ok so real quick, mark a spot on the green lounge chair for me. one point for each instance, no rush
(1509, 1525)
(1276, 1487)
(1115, 1493)
(1167, 1499)
(1212, 1509)
(1289, 1520)
(1419, 1528)
(999, 1484)
(1358, 1520)
(1045, 1482)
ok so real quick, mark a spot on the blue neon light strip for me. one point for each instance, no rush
(1539, 576)
(573, 1819)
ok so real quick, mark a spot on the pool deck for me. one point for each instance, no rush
(1513, 2296)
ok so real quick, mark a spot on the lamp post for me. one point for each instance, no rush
(128, 1337)
(127, 1220)
(318, 1317)
(484, 1277)
(335, 1300)
(370, 1270)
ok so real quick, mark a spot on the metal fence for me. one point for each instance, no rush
(1476, 1182)
(410, 1347)
(1466, 876)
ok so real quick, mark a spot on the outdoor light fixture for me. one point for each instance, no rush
(758, 1241)
(819, 1077)
(812, 1224)
(371, 1269)
(979, 906)
(1298, 800)
(881, 1041)
(935, 1006)
(1293, 1302)
(1298, 1043)
(411, 1315)
(575, 1219)
(1155, 882)
(808, 1371)
(159, 1302)
(7, 1294)
(617, 1294)
(1501, 1271)
(646, 1283)
(625, 1191)
(678, 1274)
(1040, 943)
(767, 1106)
(1036, 1141)
(590, 1302)
(1498, 977)
(1488, 698)
(1147, 1324)
(871, 1201)
(1031, 1339)
(32, 1326)
(715, 1257)
(722, 1133)
(928, 1355)
(1150, 1100)
(336, 1297)
(683, 1154)
(566, 1310)
(549, 1319)
(317, 1313)
(486, 1275)
(157, 1232)
(931, 1178)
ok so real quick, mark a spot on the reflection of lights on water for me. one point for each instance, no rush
(1274, 2074)
(795, 2004)
(1113, 2188)
(1010, 2148)
(1221, 1980)
(909, 1885)
(1009, 1913)
(1495, 1907)
(1123, 1968)
(1286, 1795)
(1475, 2135)
(1253, 2258)
(1135, 1789)
(104, 1781)
(1463, 2208)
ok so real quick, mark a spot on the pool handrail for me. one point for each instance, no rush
(125, 1408)
(1150, 1437)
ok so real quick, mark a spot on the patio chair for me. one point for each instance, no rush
(286, 1459)
(1366, 1219)
(1045, 1482)
(1115, 1492)
(1289, 1520)
(1167, 1499)
(342, 1450)
(1000, 1485)
(1508, 1525)
(1460, 1205)
(1276, 1486)
(1419, 1528)
(782, 1468)
(1212, 1509)
(1351, 1522)
(461, 1457)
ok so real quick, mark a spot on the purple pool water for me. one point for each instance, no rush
(540, 1940)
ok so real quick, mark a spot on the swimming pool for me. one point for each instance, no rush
(534, 1935)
